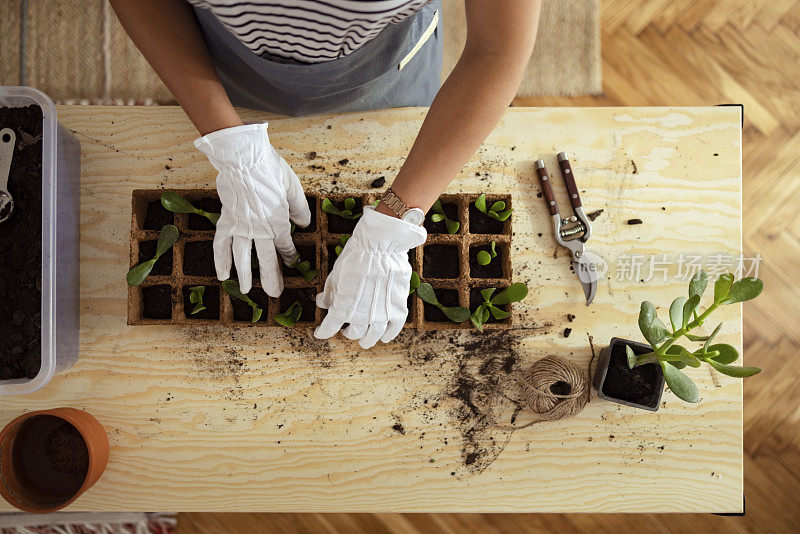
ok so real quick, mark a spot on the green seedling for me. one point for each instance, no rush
(438, 216)
(196, 298)
(166, 238)
(484, 257)
(175, 203)
(496, 211)
(305, 269)
(290, 317)
(457, 314)
(231, 287)
(342, 242)
(684, 318)
(414, 283)
(513, 293)
(346, 213)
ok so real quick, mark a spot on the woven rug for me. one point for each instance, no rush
(76, 51)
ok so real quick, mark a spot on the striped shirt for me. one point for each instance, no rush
(308, 31)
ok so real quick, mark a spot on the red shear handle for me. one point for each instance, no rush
(547, 190)
(569, 179)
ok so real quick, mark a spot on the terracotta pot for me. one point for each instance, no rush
(16, 488)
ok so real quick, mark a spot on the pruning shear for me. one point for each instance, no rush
(572, 232)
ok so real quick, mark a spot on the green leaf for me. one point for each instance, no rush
(692, 337)
(676, 314)
(689, 308)
(426, 293)
(349, 203)
(328, 207)
(513, 293)
(196, 294)
(503, 215)
(678, 365)
(290, 317)
(414, 282)
(231, 287)
(437, 217)
(631, 356)
(213, 217)
(303, 266)
(734, 370)
(727, 353)
(457, 314)
(477, 318)
(744, 289)
(710, 337)
(480, 204)
(437, 207)
(198, 308)
(698, 284)
(338, 250)
(484, 258)
(680, 384)
(138, 273)
(309, 274)
(166, 238)
(487, 293)
(497, 313)
(722, 286)
(676, 353)
(653, 330)
(175, 203)
(492, 249)
(452, 226)
(498, 206)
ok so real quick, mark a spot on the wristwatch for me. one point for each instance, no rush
(411, 215)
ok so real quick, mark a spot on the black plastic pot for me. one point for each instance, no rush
(640, 387)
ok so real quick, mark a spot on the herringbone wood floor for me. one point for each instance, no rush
(682, 52)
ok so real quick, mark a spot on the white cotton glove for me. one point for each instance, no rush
(369, 284)
(260, 194)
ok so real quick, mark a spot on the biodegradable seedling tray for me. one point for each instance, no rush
(446, 261)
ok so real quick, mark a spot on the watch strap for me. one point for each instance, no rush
(394, 203)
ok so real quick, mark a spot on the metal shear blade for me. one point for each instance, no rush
(572, 232)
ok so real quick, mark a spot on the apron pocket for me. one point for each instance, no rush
(422, 40)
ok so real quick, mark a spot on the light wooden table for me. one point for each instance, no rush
(203, 418)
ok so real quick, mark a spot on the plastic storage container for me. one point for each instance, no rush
(61, 170)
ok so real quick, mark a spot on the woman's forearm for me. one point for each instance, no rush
(470, 103)
(167, 34)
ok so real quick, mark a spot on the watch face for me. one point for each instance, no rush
(414, 216)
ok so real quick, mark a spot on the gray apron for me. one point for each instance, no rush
(400, 67)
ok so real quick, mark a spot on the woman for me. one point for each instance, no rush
(304, 57)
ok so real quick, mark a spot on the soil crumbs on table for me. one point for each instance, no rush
(21, 250)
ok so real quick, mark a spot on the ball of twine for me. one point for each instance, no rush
(555, 388)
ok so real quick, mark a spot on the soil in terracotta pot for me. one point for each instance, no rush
(440, 261)
(312, 227)
(243, 312)
(634, 385)
(198, 222)
(447, 298)
(493, 270)
(21, 249)
(157, 302)
(306, 296)
(450, 209)
(198, 258)
(340, 225)
(480, 223)
(307, 253)
(476, 299)
(156, 217)
(163, 266)
(50, 457)
(210, 301)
